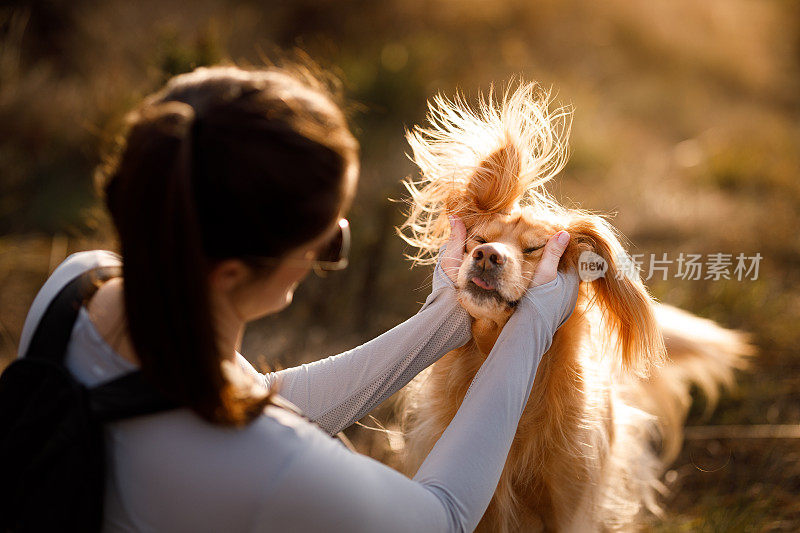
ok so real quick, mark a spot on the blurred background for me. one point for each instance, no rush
(686, 125)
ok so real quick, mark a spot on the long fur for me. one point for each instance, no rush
(615, 382)
(502, 153)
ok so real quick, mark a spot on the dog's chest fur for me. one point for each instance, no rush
(562, 439)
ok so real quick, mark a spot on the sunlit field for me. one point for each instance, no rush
(686, 129)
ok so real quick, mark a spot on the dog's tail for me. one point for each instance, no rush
(700, 353)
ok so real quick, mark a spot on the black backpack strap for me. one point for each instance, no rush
(123, 397)
(52, 334)
(127, 396)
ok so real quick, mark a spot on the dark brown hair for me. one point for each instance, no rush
(221, 163)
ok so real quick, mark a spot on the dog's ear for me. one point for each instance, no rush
(626, 305)
(495, 186)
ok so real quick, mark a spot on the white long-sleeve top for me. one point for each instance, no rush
(175, 472)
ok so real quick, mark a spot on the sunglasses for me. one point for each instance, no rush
(333, 254)
(330, 256)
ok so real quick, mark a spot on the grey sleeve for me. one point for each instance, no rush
(337, 391)
(486, 422)
(327, 488)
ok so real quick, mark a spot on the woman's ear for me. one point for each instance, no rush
(229, 274)
(626, 305)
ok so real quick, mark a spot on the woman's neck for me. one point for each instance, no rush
(107, 312)
(229, 327)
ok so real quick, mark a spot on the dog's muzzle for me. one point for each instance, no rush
(488, 261)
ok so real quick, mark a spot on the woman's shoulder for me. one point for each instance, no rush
(72, 267)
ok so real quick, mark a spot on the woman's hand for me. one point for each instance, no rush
(454, 252)
(548, 267)
(550, 289)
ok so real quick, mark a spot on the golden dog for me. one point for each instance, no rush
(615, 381)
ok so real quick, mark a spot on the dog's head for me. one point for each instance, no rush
(488, 167)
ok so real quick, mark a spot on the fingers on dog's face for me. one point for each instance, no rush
(502, 254)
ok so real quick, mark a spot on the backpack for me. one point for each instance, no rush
(52, 467)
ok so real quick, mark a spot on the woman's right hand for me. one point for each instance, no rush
(453, 255)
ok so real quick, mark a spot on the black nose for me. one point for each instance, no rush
(488, 256)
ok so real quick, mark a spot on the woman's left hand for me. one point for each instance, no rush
(454, 252)
(547, 268)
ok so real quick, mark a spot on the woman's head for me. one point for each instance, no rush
(220, 173)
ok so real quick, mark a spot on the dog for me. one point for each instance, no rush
(614, 385)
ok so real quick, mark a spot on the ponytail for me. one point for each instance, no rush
(165, 269)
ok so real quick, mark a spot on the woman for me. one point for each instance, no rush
(229, 187)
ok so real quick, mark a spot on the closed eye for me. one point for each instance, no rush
(479, 240)
(532, 249)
